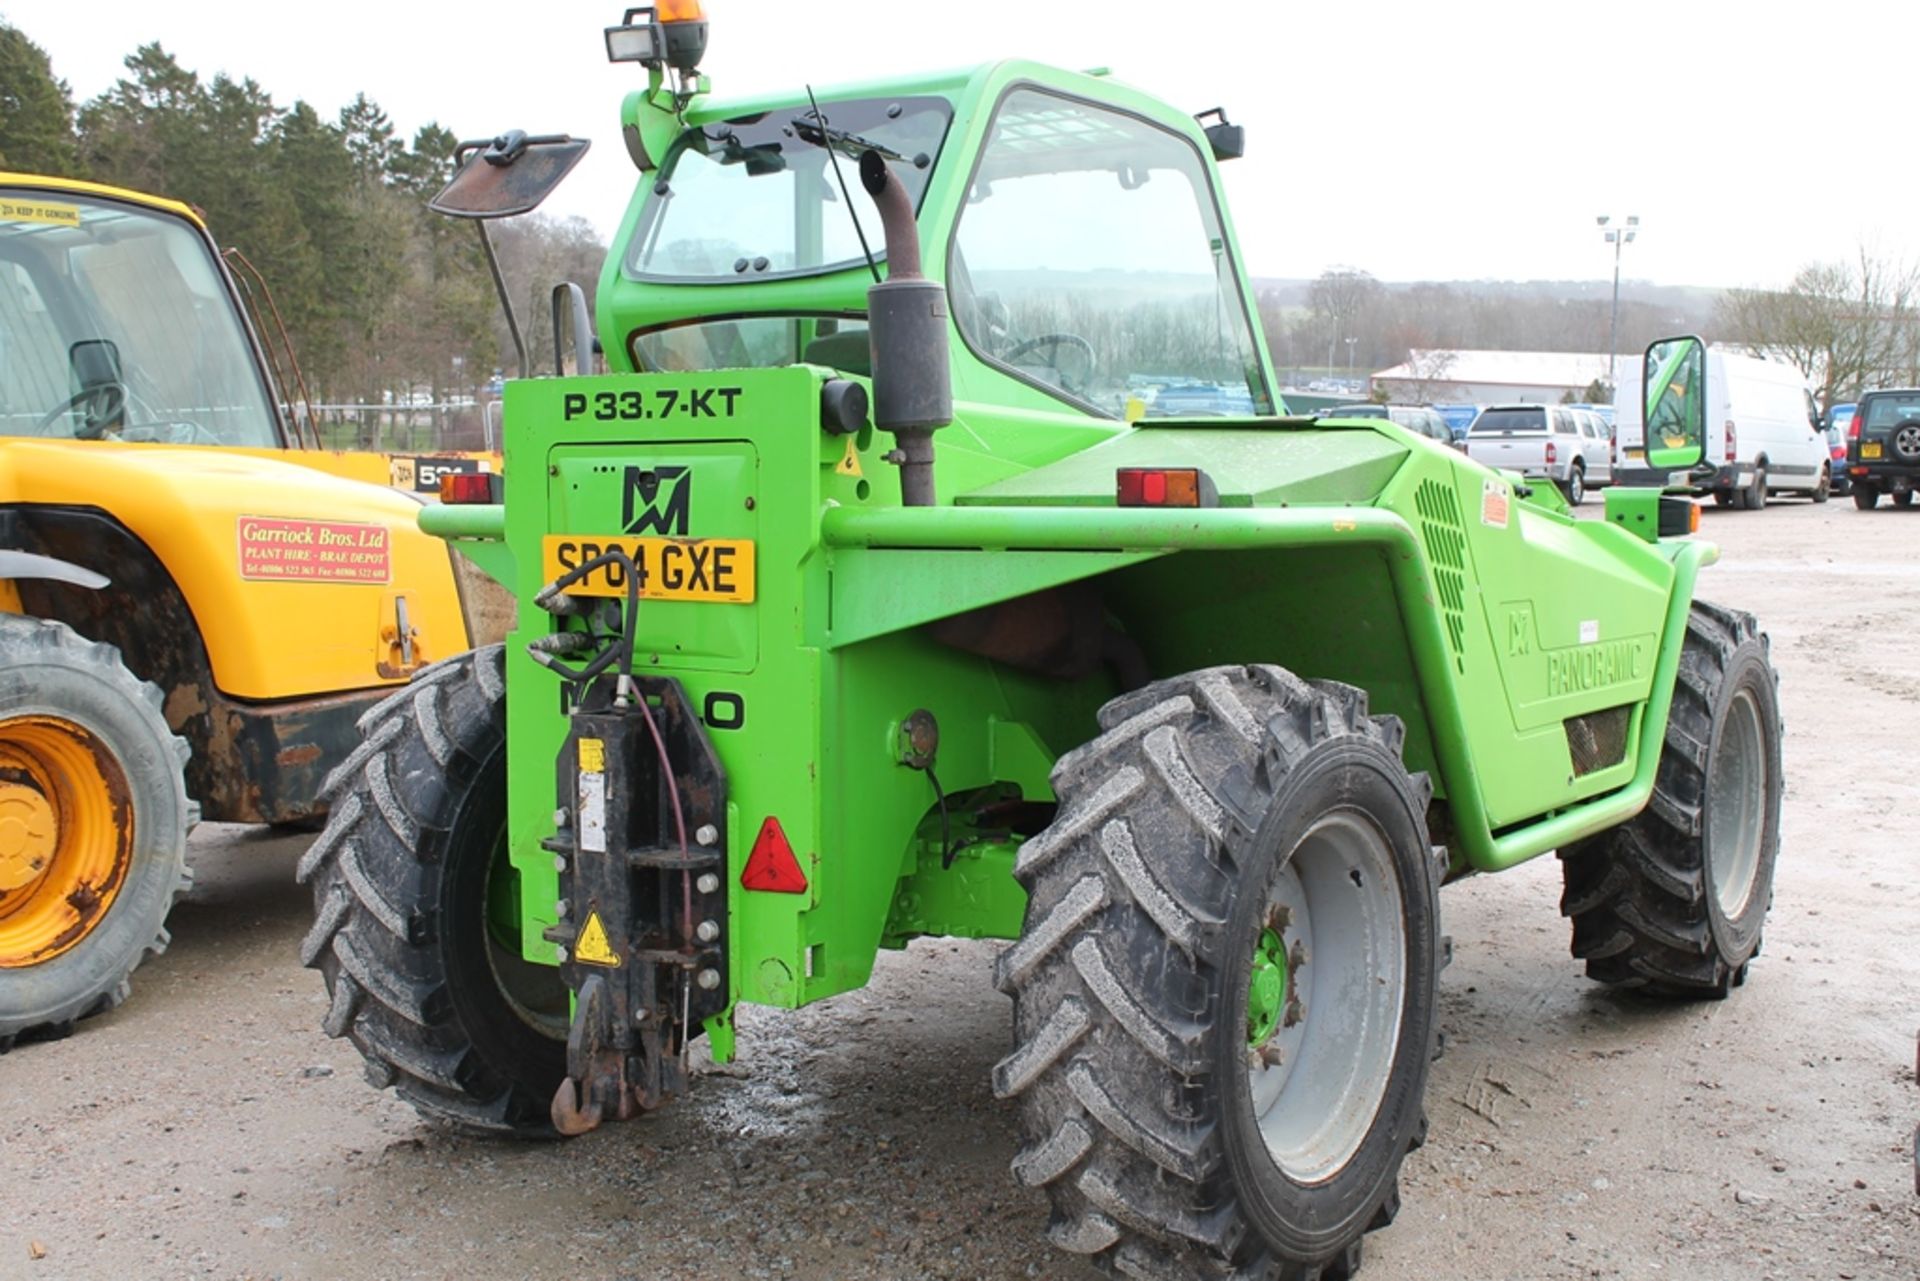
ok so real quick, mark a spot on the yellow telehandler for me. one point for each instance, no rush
(194, 614)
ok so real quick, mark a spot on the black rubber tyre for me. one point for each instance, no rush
(1902, 497)
(1576, 487)
(47, 671)
(1865, 496)
(1754, 497)
(453, 1019)
(1824, 490)
(1674, 900)
(1147, 895)
(1723, 498)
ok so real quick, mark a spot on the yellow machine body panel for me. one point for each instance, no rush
(411, 473)
(300, 582)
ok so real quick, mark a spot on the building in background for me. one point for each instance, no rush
(1489, 377)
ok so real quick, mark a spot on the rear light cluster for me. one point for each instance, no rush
(464, 487)
(1732, 453)
(1553, 455)
(1853, 427)
(1164, 487)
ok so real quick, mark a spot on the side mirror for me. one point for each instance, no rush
(1673, 387)
(501, 177)
(1227, 141)
(99, 391)
(513, 175)
(94, 363)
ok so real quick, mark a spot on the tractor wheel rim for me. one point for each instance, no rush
(1318, 1079)
(532, 991)
(66, 837)
(1736, 806)
(29, 831)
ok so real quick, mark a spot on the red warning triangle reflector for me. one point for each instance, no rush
(772, 865)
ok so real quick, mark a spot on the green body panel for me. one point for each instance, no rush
(1486, 620)
(1635, 509)
(1263, 463)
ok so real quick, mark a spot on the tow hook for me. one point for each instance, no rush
(595, 1064)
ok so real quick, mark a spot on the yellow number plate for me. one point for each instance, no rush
(1869, 451)
(702, 569)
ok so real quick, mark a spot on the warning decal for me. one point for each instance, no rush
(592, 947)
(313, 551)
(849, 464)
(1493, 503)
(51, 212)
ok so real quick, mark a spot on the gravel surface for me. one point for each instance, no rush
(207, 1128)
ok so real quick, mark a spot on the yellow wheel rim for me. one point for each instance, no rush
(66, 837)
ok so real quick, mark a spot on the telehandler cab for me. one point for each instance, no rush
(999, 597)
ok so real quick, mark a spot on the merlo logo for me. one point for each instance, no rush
(656, 500)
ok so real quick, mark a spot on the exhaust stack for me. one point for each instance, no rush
(907, 338)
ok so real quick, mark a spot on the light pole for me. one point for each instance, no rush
(1618, 237)
(1351, 340)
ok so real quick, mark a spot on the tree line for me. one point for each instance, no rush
(384, 301)
(1388, 323)
(1848, 326)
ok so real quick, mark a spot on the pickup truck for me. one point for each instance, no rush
(1541, 442)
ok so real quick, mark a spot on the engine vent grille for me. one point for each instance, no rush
(1597, 740)
(1446, 540)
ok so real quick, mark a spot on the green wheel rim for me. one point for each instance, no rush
(1267, 989)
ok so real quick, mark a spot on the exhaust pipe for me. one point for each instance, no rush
(907, 339)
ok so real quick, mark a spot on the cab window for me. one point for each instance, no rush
(1090, 260)
(115, 324)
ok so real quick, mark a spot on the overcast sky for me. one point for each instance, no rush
(1414, 140)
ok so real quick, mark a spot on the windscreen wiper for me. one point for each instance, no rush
(820, 134)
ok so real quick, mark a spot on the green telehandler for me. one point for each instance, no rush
(938, 558)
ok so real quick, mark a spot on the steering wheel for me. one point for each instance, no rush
(1055, 342)
(113, 402)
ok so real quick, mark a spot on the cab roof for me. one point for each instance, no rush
(77, 187)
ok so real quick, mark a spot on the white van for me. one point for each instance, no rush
(1763, 433)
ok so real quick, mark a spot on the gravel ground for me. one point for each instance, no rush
(207, 1128)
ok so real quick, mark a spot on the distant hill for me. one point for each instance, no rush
(1682, 298)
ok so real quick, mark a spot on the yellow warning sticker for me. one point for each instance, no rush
(849, 464)
(50, 212)
(593, 756)
(592, 947)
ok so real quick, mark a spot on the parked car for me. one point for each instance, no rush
(1883, 447)
(1763, 432)
(1459, 418)
(1542, 442)
(1839, 423)
(1596, 449)
(1606, 412)
(1420, 419)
